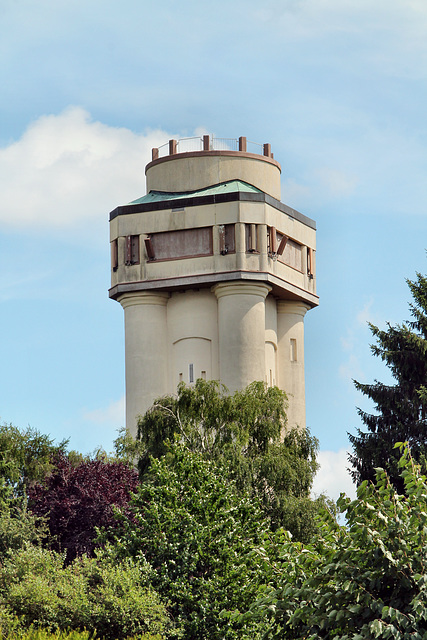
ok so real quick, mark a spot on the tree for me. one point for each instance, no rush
(75, 499)
(401, 408)
(19, 529)
(246, 434)
(25, 458)
(361, 581)
(197, 531)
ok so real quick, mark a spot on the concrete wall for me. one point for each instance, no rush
(195, 310)
(262, 215)
(236, 333)
(189, 172)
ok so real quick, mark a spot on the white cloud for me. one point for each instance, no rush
(365, 315)
(354, 343)
(351, 369)
(338, 183)
(113, 415)
(66, 170)
(386, 36)
(333, 477)
(293, 192)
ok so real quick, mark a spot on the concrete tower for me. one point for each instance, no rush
(214, 274)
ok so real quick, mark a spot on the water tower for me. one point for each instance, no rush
(214, 274)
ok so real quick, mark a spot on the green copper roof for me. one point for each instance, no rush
(225, 187)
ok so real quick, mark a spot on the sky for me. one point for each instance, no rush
(338, 87)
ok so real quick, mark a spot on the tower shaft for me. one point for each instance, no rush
(215, 275)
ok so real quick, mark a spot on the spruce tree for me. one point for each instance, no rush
(401, 409)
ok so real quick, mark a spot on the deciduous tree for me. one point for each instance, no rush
(25, 458)
(362, 581)
(246, 433)
(197, 531)
(75, 499)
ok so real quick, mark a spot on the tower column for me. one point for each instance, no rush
(241, 332)
(145, 352)
(290, 360)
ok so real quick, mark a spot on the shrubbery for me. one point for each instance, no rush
(95, 594)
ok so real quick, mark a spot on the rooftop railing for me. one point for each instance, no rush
(210, 143)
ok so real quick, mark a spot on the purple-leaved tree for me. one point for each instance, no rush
(77, 498)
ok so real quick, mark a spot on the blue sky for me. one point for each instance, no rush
(338, 87)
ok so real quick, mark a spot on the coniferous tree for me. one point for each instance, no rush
(401, 409)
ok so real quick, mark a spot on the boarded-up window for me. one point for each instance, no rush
(272, 240)
(187, 243)
(292, 253)
(226, 239)
(132, 250)
(310, 261)
(251, 238)
(114, 255)
(230, 238)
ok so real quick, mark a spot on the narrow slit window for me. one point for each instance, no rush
(293, 345)
(191, 373)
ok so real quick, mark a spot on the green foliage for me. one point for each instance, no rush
(100, 594)
(19, 529)
(197, 531)
(126, 448)
(363, 581)
(207, 419)
(14, 633)
(246, 434)
(401, 409)
(25, 457)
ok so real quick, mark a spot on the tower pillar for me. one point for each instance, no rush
(145, 352)
(290, 346)
(241, 332)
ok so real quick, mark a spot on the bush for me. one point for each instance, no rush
(44, 634)
(97, 595)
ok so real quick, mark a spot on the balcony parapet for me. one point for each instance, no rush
(211, 143)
